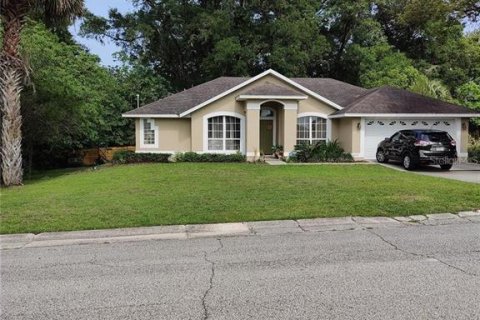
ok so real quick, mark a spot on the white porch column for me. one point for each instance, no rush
(252, 133)
(289, 126)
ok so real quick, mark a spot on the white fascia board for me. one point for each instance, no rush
(261, 75)
(150, 116)
(244, 97)
(406, 115)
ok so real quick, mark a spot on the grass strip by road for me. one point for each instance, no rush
(164, 194)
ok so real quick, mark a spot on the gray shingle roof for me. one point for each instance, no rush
(341, 93)
(354, 99)
(184, 100)
(393, 100)
(334, 90)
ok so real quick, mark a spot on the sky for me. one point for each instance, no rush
(101, 8)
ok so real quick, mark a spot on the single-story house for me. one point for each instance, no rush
(250, 115)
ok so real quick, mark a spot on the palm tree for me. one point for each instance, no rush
(13, 73)
(431, 88)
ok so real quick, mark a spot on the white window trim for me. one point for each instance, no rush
(227, 114)
(142, 137)
(319, 115)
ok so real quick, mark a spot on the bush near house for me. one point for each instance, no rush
(123, 157)
(331, 151)
(474, 150)
(209, 157)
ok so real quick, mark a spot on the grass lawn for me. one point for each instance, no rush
(156, 194)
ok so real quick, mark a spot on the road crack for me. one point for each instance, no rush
(212, 276)
(427, 256)
(300, 226)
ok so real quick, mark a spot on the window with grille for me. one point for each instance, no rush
(311, 130)
(148, 132)
(224, 133)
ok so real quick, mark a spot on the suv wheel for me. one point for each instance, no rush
(381, 156)
(446, 166)
(409, 162)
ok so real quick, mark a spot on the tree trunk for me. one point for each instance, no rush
(10, 88)
(12, 74)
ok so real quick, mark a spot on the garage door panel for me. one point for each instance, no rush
(376, 130)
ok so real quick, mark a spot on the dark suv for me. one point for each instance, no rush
(414, 147)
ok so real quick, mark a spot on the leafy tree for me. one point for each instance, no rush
(12, 73)
(342, 21)
(73, 103)
(380, 65)
(189, 42)
(138, 79)
(431, 88)
(468, 95)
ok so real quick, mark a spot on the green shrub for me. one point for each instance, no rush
(122, 157)
(474, 150)
(209, 157)
(329, 151)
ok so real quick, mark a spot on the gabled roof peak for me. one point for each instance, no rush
(331, 92)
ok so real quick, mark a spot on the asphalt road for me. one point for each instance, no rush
(408, 272)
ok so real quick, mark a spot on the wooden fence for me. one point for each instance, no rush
(90, 156)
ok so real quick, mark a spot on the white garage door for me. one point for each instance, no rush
(377, 130)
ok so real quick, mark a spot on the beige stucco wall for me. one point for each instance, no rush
(345, 130)
(356, 133)
(314, 105)
(174, 135)
(137, 134)
(464, 135)
(280, 129)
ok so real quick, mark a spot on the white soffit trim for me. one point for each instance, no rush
(407, 115)
(244, 97)
(253, 79)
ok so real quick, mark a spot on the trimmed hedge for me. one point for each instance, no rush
(123, 157)
(209, 157)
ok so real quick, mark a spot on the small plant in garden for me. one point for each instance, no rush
(277, 151)
(474, 150)
(330, 151)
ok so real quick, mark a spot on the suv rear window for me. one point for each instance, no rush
(435, 136)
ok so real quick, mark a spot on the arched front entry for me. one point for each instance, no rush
(268, 126)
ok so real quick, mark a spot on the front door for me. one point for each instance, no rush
(266, 136)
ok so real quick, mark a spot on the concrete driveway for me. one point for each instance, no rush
(467, 172)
